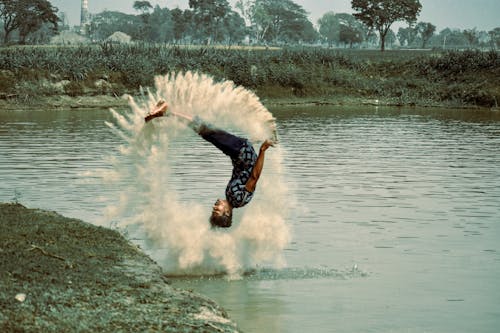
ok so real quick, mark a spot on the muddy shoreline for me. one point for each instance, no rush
(64, 275)
(105, 102)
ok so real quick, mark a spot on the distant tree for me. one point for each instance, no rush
(406, 36)
(381, 14)
(181, 23)
(279, 20)
(160, 25)
(425, 31)
(26, 16)
(472, 36)
(106, 23)
(36, 14)
(329, 28)
(452, 39)
(342, 27)
(209, 16)
(235, 28)
(308, 33)
(142, 6)
(294, 26)
(351, 30)
(145, 29)
(42, 35)
(495, 37)
(350, 35)
(245, 8)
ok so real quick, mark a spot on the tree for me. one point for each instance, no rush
(245, 8)
(280, 20)
(209, 17)
(495, 37)
(235, 28)
(472, 36)
(181, 20)
(160, 25)
(295, 26)
(145, 30)
(350, 35)
(406, 36)
(381, 14)
(452, 39)
(329, 28)
(340, 27)
(42, 35)
(142, 6)
(26, 16)
(308, 33)
(106, 23)
(425, 31)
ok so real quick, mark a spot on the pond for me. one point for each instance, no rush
(394, 215)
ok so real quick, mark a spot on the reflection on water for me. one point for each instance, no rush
(408, 200)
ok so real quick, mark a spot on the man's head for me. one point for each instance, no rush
(222, 214)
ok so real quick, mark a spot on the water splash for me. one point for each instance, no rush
(289, 273)
(176, 233)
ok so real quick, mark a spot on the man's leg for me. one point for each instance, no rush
(159, 111)
(228, 143)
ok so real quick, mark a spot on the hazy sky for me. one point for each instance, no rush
(461, 14)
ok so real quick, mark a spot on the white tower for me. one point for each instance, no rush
(84, 18)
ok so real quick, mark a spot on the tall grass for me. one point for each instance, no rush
(401, 77)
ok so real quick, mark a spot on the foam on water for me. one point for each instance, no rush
(288, 273)
(174, 232)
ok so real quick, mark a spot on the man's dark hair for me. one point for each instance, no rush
(223, 221)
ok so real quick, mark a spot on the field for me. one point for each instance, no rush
(405, 77)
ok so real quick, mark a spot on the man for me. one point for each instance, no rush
(247, 166)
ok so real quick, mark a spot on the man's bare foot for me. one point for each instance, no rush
(159, 111)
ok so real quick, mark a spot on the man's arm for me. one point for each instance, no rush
(257, 169)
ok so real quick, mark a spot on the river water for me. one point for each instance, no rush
(395, 214)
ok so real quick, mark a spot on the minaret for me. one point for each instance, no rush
(84, 18)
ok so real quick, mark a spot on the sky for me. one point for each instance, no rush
(460, 14)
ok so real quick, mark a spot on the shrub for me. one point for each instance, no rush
(7, 82)
(74, 88)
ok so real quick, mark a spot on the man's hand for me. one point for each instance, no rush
(266, 144)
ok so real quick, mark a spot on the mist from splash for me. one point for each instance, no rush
(175, 232)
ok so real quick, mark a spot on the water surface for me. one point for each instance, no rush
(395, 215)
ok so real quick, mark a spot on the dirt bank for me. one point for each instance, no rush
(63, 275)
(105, 102)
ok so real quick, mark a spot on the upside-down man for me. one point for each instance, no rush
(247, 165)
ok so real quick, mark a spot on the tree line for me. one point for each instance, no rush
(255, 22)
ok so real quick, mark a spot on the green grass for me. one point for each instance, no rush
(399, 77)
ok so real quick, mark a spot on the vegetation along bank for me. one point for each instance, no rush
(400, 77)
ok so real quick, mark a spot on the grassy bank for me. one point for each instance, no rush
(63, 275)
(468, 78)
